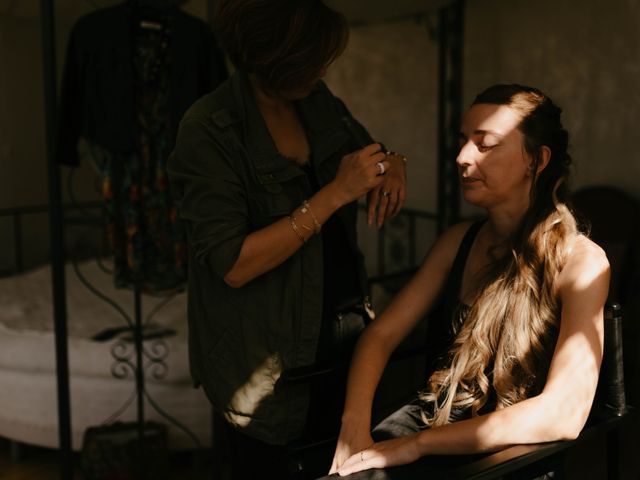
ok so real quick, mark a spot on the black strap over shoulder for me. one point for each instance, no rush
(454, 281)
(440, 325)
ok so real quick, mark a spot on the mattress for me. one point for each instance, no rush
(28, 410)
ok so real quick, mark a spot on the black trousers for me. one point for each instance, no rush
(407, 420)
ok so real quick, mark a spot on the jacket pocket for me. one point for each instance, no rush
(279, 192)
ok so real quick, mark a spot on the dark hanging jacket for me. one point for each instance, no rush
(97, 92)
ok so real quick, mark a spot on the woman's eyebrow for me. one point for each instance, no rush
(490, 132)
(481, 132)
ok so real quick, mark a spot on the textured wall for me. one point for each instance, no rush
(388, 79)
(586, 56)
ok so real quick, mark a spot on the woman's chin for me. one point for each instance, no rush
(474, 198)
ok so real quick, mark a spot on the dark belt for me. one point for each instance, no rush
(341, 330)
(338, 335)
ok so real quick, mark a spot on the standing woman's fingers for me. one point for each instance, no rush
(377, 168)
(381, 166)
(383, 206)
(374, 196)
(392, 207)
(372, 149)
(401, 197)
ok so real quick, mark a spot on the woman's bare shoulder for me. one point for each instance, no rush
(586, 263)
(455, 233)
(447, 244)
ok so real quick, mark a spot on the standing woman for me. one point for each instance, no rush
(267, 171)
(516, 339)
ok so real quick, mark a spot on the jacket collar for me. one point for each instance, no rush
(256, 137)
(323, 124)
(320, 119)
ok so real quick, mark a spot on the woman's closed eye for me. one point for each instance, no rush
(485, 147)
(481, 144)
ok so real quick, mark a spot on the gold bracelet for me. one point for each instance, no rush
(294, 226)
(307, 208)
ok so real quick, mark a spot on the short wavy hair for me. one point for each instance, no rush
(285, 43)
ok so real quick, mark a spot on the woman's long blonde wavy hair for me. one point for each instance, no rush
(509, 333)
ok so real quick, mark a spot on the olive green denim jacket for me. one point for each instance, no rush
(229, 180)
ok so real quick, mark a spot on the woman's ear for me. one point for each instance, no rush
(545, 156)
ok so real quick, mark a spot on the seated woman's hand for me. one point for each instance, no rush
(388, 197)
(351, 440)
(389, 453)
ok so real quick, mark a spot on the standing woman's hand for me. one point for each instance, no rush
(359, 172)
(387, 199)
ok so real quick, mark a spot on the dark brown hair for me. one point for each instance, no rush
(284, 43)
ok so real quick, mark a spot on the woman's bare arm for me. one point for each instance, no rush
(383, 336)
(562, 408)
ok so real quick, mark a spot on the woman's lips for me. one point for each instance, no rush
(468, 180)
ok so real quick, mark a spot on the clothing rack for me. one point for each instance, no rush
(56, 224)
(450, 39)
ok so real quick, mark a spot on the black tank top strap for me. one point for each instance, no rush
(454, 281)
(441, 318)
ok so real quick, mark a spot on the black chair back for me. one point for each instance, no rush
(610, 397)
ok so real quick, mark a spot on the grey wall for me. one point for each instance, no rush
(586, 56)
(388, 79)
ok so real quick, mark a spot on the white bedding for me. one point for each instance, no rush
(28, 411)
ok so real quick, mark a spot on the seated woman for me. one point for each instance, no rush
(517, 342)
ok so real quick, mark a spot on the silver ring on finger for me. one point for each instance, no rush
(381, 168)
(386, 193)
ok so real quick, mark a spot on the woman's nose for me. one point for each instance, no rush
(465, 155)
